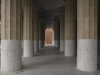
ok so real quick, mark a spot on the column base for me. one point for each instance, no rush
(53, 42)
(69, 48)
(87, 55)
(36, 46)
(10, 55)
(0, 49)
(28, 50)
(56, 44)
(40, 44)
(22, 48)
(62, 45)
(21, 44)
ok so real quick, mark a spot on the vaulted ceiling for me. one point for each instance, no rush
(49, 4)
(49, 9)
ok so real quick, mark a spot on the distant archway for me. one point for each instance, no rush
(49, 36)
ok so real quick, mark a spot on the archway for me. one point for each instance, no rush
(49, 36)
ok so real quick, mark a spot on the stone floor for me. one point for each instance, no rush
(49, 61)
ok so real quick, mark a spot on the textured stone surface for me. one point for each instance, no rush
(21, 44)
(87, 55)
(87, 22)
(50, 62)
(40, 43)
(0, 49)
(10, 55)
(11, 13)
(70, 20)
(56, 43)
(43, 43)
(28, 20)
(62, 45)
(69, 48)
(36, 45)
(28, 48)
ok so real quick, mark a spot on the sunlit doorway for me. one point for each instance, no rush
(49, 37)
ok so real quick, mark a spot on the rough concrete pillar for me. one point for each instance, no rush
(10, 35)
(36, 31)
(28, 29)
(62, 45)
(69, 27)
(87, 11)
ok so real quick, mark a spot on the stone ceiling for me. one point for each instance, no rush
(49, 9)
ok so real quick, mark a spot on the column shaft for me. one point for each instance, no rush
(36, 31)
(43, 36)
(10, 35)
(70, 27)
(87, 34)
(40, 33)
(62, 47)
(55, 35)
(28, 29)
(52, 35)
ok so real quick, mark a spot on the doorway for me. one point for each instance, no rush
(49, 36)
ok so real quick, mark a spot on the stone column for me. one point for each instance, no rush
(40, 33)
(70, 27)
(56, 34)
(36, 31)
(21, 37)
(10, 35)
(22, 29)
(62, 47)
(28, 29)
(57, 42)
(52, 36)
(43, 35)
(87, 14)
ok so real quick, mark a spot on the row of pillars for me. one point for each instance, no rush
(13, 29)
(19, 32)
(83, 32)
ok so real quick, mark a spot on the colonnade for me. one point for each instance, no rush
(12, 26)
(87, 32)
(11, 35)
